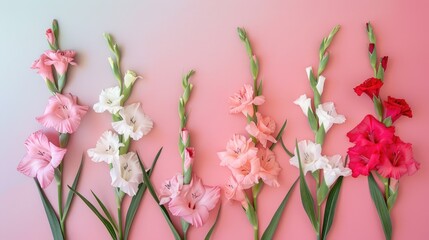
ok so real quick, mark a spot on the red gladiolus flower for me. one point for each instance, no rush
(397, 160)
(371, 47)
(363, 159)
(384, 62)
(370, 87)
(370, 131)
(396, 107)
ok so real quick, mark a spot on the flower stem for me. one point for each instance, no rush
(119, 197)
(255, 207)
(59, 179)
(386, 189)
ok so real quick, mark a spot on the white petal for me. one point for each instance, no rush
(310, 154)
(304, 103)
(328, 116)
(308, 70)
(107, 148)
(320, 84)
(126, 173)
(334, 169)
(135, 123)
(110, 100)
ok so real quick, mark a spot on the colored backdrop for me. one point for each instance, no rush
(161, 41)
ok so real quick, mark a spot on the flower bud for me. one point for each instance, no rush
(384, 62)
(189, 158)
(184, 136)
(129, 78)
(50, 37)
(371, 48)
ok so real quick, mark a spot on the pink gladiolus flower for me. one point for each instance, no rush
(50, 36)
(270, 168)
(262, 130)
(42, 158)
(171, 188)
(189, 158)
(397, 160)
(233, 190)
(243, 101)
(248, 174)
(363, 159)
(371, 131)
(60, 60)
(63, 113)
(239, 151)
(43, 69)
(194, 202)
(396, 107)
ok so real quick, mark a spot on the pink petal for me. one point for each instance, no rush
(45, 176)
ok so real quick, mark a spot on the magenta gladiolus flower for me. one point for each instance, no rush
(194, 202)
(63, 113)
(43, 69)
(42, 158)
(60, 60)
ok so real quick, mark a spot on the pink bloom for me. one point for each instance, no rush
(171, 188)
(43, 69)
(371, 131)
(233, 191)
(270, 168)
(60, 60)
(370, 87)
(243, 101)
(42, 158)
(247, 175)
(262, 130)
(189, 158)
(396, 107)
(63, 113)
(397, 160)
(194, 202)
(50, 36)
(363, 159)
(238, 152)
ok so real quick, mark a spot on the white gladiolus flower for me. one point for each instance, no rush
(134, 123)
(334, 169)
(328, 116)
(320, 84)
(110, 100)
(126, 173)
(304, 102)
(311, 158)
(106, 149)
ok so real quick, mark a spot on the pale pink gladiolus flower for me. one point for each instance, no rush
(248, 174)
(194, 202)
(233, 191)
(43, 69)
(238, 152)
(42, 158)
(262, 130)
(270, 168)
(189, 158)
(243, 101)
(63, 113)
(171, 188)
(60, 60)
(50, 36)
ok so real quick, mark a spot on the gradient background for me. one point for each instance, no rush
(161, 40)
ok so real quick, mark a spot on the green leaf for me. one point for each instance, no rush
(135, 201)
(164, 211)
(330, 207)
(106, 212)
(393, 194)
(272, 226)
(306, 198)
(312, 78)
(259, 90)
(106, 222)
(279, 135)
(312, 120)
(285, 149)
(378, 106)
(251, 213)
(70, 195)
(322, 64)
(254, 67)
(380, 72)
(322, 192)
(320, 135)
(210, 232)
(387, 121)
(54, 223)
(381, 206)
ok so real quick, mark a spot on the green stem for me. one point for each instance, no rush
(256, 224)
(386, 189)
(60, 197)
(119, 197)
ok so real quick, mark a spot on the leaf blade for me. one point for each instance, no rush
(331, 203)
(381, 207)
(210, 232)
(70, 195)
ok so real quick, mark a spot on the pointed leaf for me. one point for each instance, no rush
(106, 212)
(272, 227)
(306, 198)
(54, 223)
(322, 192)
(312, 120)
(210, 232)
(279, 135)
(135, 201)
(322, 64)
(387, 121)
(106, 222)
(320, 135)
(392, 198)
(330, 207)
(70, 195)
(381, 206)
(259, 90)
(285, 149)
(378, 106)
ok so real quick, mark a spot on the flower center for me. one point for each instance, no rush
(126, 172)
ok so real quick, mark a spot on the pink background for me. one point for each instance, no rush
(161, 40)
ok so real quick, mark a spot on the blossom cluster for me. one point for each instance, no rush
(249, 159)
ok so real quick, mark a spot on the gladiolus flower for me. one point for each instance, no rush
(262, 130)
(247, 175)
(370, 131)
(50, 37)
(328, 115)
(233, 191)
(370, 87)
(239, 151)
(106, 149)
(63, 113)
(170, 189)
(334, 169)
(304, 103)
(243, 101)
(60, 60)
(396, 107)
(110, 100)
(311, 158)
(363, 159)
(43, 69)
(42, 158)
(194, 202)
(134, 123)
(189, 158)
(270, 168)
(126, 173)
